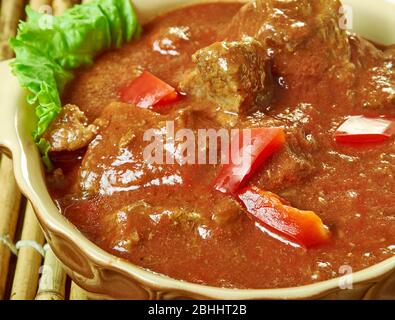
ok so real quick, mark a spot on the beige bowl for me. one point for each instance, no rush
(104, 274)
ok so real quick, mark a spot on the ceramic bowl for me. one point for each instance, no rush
(104, 274)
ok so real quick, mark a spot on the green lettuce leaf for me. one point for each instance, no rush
(48, 48)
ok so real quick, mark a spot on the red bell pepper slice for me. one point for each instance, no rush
(263, 143)
(147, 91)
(361, 129)
(302, 227)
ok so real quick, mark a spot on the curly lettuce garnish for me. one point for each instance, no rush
(48, 48)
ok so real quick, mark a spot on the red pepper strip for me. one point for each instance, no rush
(147, 90)
(170, 98)
(251, 155)
(302, 227)
(361, 129)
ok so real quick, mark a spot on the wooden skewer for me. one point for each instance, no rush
(53, 279)
(10, 14)
(52, 283)
(29, 259)
(36, 4)
(59, 6)
(77, 293)
(10, 198)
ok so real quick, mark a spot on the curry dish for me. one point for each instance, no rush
(319, 101)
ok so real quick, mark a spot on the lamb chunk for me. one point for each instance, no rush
(133, 224)
(302, 36)
(291, 164)
(114, 160)
(70, 131)
(121, 233)
(131, 153)
(311, 51)
(234, 76)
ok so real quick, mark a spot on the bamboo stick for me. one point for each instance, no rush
(59, 6)
(10, 198)
(29, 259)
(10, 14)
(57, 291)
(77, 293)
(53, 279)
(36, 4)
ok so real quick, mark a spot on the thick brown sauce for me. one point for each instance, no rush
(352, 188)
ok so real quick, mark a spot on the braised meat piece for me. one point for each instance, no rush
(111, 163)
(133, 152)
(290, 165)
(71, 130)
(303, 41)
(234, 76)
(303, 37)
(124, 229)
(311, 51)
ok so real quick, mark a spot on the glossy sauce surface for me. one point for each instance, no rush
(167, 218)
